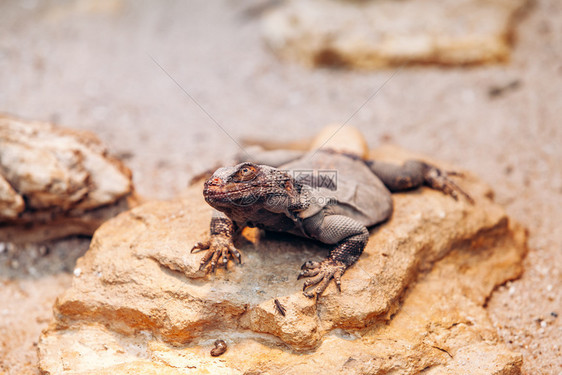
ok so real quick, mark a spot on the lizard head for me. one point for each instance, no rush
(248, 184)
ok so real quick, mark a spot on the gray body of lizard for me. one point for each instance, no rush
(330, 197)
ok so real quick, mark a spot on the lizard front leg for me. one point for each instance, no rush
(414, 173)
(219, 245)
(350, 238)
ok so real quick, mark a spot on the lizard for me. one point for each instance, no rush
(271, 192)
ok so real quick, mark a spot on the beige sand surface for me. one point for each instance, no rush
(90, 65)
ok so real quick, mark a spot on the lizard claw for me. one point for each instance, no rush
(321, 274)
(200, 246)
(219, 248)
(439, 180)
(235, 253)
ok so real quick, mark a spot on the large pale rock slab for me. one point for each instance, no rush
(413, 302)
(55, 182)
(377, 33)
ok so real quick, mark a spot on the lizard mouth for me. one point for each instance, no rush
(216, 194)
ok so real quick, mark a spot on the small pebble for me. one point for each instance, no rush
(543, 324)
(33, 271)
(43, 250)
(77, 272)
(511, 290)
(3, 247)
(219, 349)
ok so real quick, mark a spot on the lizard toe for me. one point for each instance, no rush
(205, 259)
(313, 281)
(235, 253)
(200, 246)
(308, 273)
(309, 294)
(323, 285)
(309, 264)
(337, 279)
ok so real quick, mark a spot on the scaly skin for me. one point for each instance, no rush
(261, 196)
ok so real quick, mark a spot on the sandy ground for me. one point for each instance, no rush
(90, 65)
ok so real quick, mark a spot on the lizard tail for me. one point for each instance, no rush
(347, 139)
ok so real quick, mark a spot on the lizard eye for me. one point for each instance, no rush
(245, 173)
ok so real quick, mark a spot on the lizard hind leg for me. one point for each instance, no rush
(414, 173)
(345, 254)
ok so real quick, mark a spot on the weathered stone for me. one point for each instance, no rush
(413, 301)
(55, 182)
(11, 204)
(377, 33)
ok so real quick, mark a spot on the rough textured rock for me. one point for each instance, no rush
(55, 182)
(413, 301)
(372, 34)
